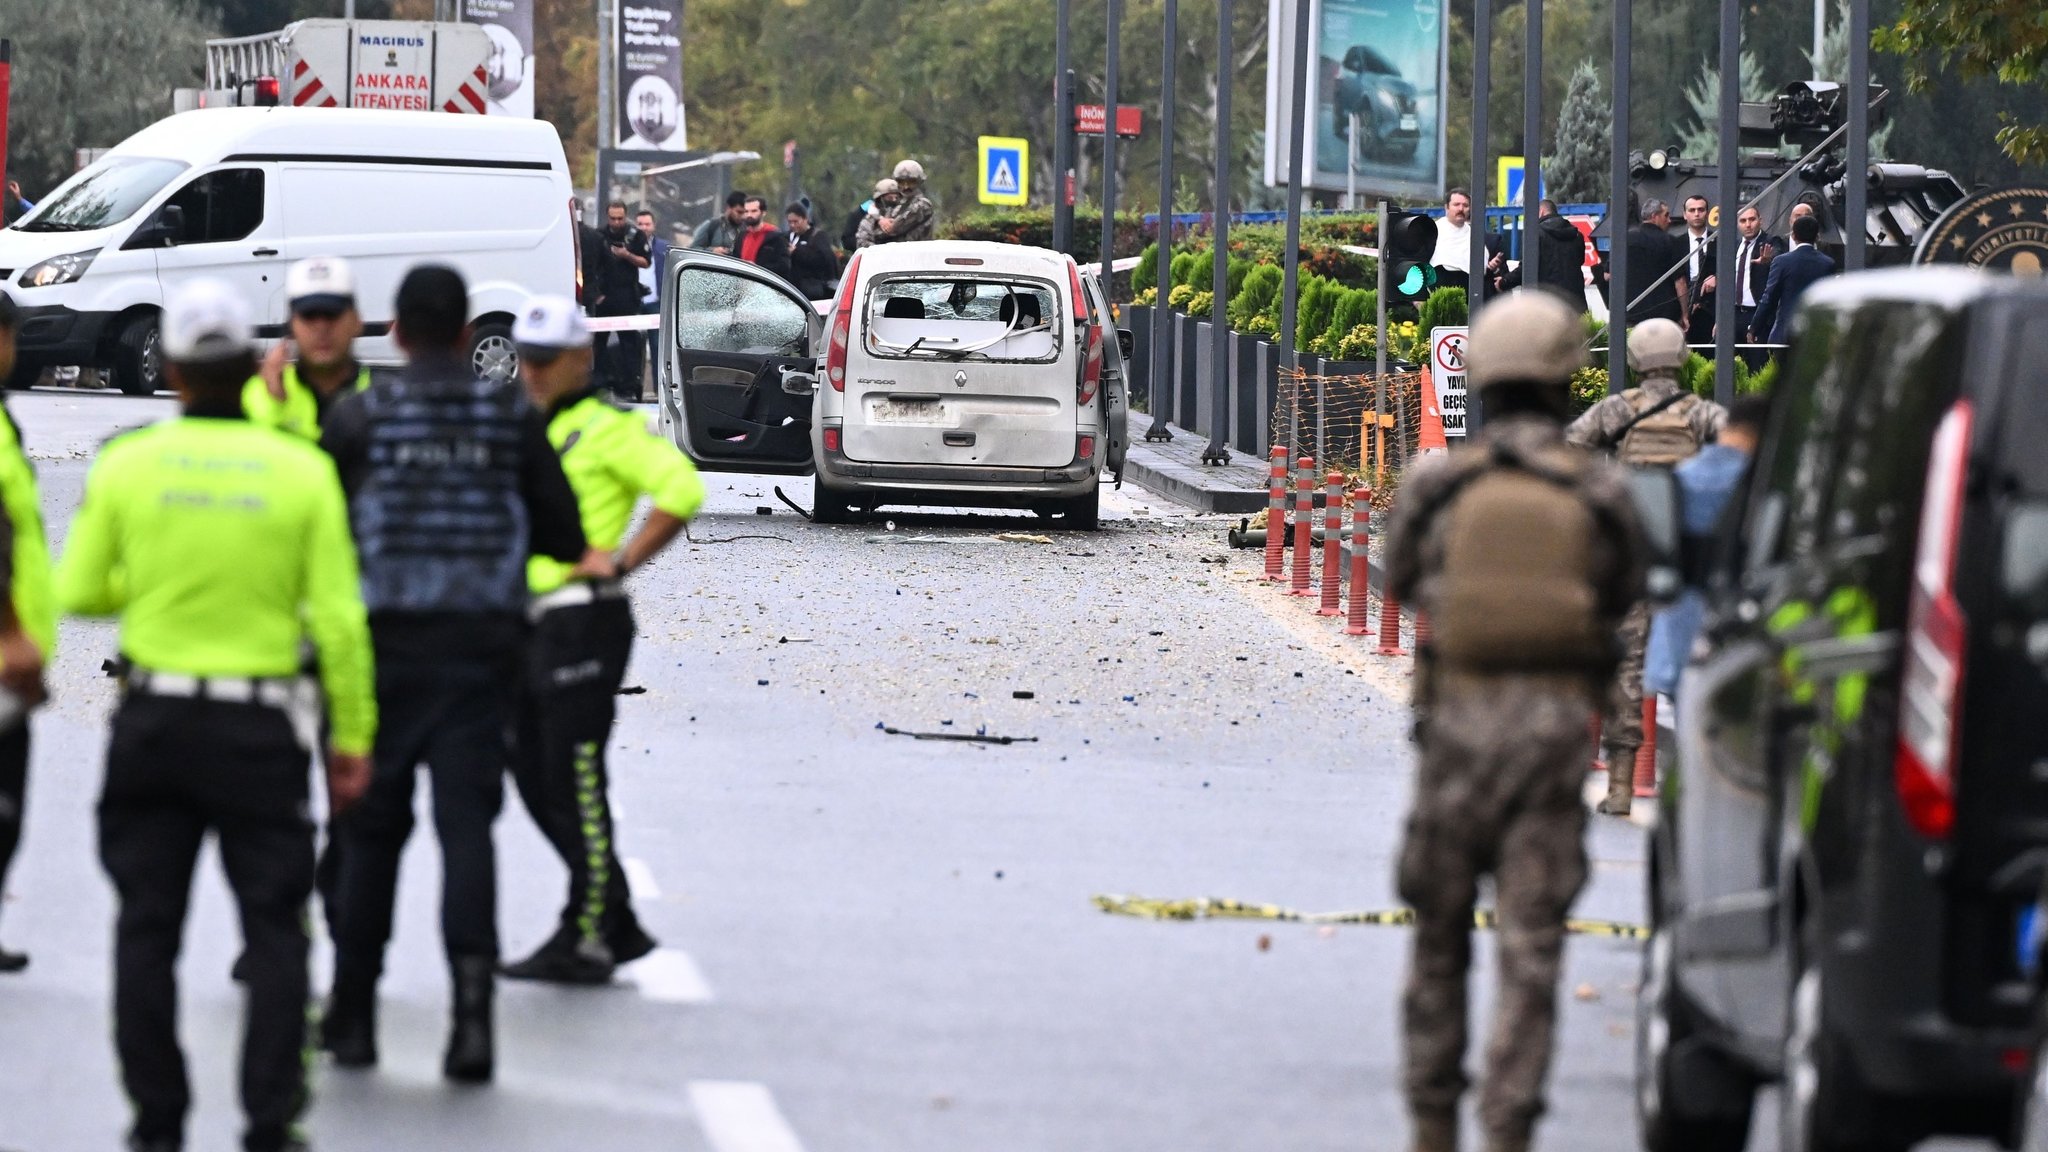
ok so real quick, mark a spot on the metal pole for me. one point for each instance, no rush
(1062, 134)
(1820, 26)
(348, 9)
(1109, 75)
(1379, 366)
(1290, 260)
(607, 115)
(1856, 181)
(1351, 167)
(1217, 451)
(1164, 380)
(1482, 82)
(1532, 136)
(1731, 195)
(1618, 221)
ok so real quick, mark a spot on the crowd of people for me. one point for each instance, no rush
(377, 571)
(1671, 272)
(626, 263)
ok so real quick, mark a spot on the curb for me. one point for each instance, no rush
(1189, 485)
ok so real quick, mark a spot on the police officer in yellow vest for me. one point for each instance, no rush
(28, 618)
(294, 396)
(221, 546)
(583, 636)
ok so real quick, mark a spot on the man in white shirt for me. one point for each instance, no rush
(1753, 253)
(1700, 258)
(1453, 257)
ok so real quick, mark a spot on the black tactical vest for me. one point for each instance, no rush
(440, 523)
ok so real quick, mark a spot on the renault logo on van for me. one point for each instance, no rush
(960, 378)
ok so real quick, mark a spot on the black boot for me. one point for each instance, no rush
(629, 941)
(12, 961)
(566, 958)
(471, 1053)
(348, 1029)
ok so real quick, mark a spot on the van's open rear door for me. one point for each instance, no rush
(737, 371)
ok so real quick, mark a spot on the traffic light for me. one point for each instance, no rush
(1411, 243)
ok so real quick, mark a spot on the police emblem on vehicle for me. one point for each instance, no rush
(2003, 229)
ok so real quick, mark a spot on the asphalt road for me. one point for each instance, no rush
(874, 942)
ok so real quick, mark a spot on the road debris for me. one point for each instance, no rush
(1205, 908)
(962, 737)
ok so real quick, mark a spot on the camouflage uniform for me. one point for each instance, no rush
(868, 234)
(1601, 428)
(915, 219)
(1497, 791)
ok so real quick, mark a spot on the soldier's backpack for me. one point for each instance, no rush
(1518, 589)
(1661, 432)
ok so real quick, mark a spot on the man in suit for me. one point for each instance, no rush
(1791, 275)
(1754, 250)
(1700, 255)
(1651, 253)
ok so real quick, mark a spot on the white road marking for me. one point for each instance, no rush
(668, 976)
(740, 1116)
(640, 878)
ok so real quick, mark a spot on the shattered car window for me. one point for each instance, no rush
(718, 311)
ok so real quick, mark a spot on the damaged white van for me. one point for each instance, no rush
(947, 373)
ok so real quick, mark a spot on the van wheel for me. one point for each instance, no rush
(492, 355)
(1083, 513)
(1689, 1098)
(138, 357)
(1821, 1108)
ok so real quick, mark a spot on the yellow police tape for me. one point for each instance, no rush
(1205, 908)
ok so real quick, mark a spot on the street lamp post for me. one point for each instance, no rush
(1290, 261)
(1726, 293)
(1217, 451)
(1532, 138)
(1109, 77)
(1618, 222)
(1163, 377)
(1062, 133)
(1856, 181)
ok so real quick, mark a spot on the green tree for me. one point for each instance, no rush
(1978, 39)
(90, 75)
(1577, 172)
(1701, 139)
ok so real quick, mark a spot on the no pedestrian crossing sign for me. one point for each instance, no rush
(1005, 170)
(1447, 375)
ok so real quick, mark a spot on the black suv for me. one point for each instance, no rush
(1847, 843)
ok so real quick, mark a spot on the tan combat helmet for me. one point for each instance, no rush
(910, 172)
(886, 187)
(1656, 347)
(1525, 337)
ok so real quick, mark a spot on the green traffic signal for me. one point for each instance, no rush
(1411, 281)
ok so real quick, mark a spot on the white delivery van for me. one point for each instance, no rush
(239, 194)
(947, 373)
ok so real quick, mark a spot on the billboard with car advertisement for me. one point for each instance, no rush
(1376, 95)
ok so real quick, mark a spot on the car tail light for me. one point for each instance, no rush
(1084, 448)
(267, 91)
(1931, 693)
(842, 328)
(831, 439)
(1091, 355)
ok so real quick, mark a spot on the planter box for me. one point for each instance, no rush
(1138, 319)
(1186, 341)
(1246, 433)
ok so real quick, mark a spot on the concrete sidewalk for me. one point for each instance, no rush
(1175, 471)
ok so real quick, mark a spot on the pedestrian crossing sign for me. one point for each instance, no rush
(1005, 170)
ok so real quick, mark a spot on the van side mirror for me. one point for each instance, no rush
(1125, 342)
(162, 232)
(1654, 491)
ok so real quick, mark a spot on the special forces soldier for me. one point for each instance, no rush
(1524, 551)
(914, 218)
(1658, 423)
(868, 232)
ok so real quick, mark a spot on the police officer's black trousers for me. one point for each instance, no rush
(177, 769)
(446, 711)
(13, 794)
(618, 353)
(575, 662)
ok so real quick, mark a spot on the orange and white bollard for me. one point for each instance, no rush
(1646, 756)
(1390, 626)
(1333, 544)
(1276, 516)
(1304, 524)
(1357, 622)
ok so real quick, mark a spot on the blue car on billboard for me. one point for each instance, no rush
(1374, 91)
